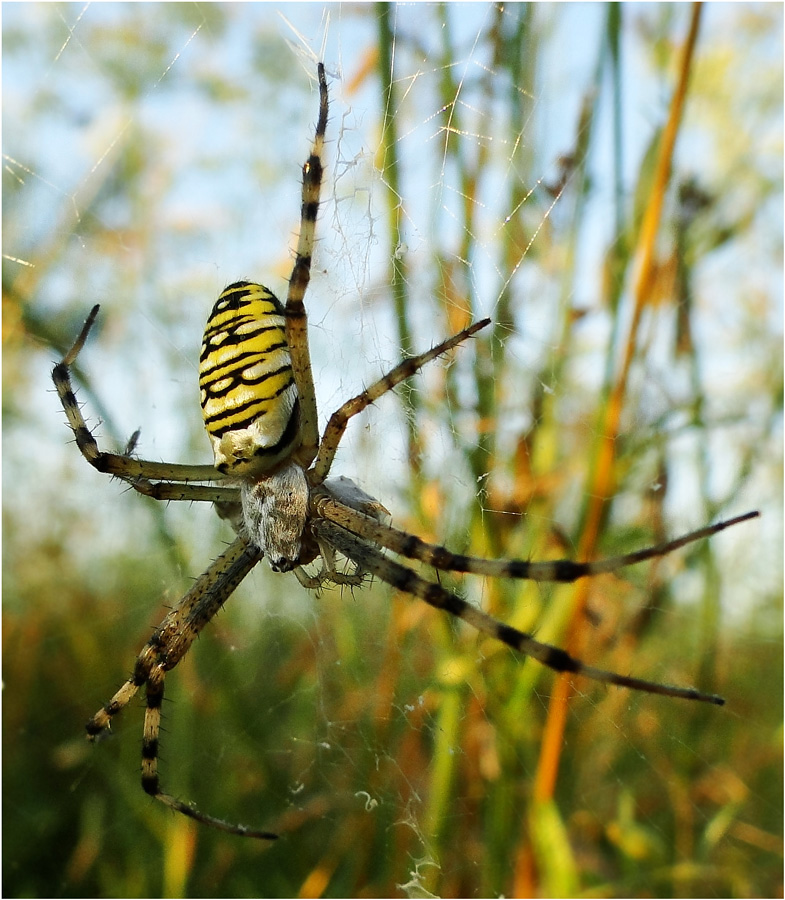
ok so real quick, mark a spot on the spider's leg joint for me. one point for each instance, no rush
(96, 733)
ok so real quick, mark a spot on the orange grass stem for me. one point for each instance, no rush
(601, 489)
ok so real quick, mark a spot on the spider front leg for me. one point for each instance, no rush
(169, 643)
(409, 582)
(558, 570)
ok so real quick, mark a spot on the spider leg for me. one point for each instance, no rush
(328, 572)
(563, 570)
(170, 641)
(310, 582)
(167, 490)
(559, 660)
(296, 317)
(121, 466)
(179, 629)
(340, 418)
(150, 781)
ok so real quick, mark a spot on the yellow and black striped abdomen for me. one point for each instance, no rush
(249, 398)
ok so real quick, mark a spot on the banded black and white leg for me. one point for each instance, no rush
(120, 465)
(406, 580)
(170, 641)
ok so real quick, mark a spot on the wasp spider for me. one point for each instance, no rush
(270, 480)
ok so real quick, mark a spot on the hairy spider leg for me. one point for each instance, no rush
(409, 582)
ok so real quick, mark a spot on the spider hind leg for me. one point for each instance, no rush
(120, 465)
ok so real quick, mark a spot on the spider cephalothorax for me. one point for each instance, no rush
(270, 481)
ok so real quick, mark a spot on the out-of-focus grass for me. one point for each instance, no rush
(395, 752)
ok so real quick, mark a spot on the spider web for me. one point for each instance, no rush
(152, 155)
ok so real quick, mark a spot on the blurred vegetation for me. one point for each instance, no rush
(630, 390)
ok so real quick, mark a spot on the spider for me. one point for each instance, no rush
(270, 481)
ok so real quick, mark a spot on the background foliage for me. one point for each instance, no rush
(509, 167)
